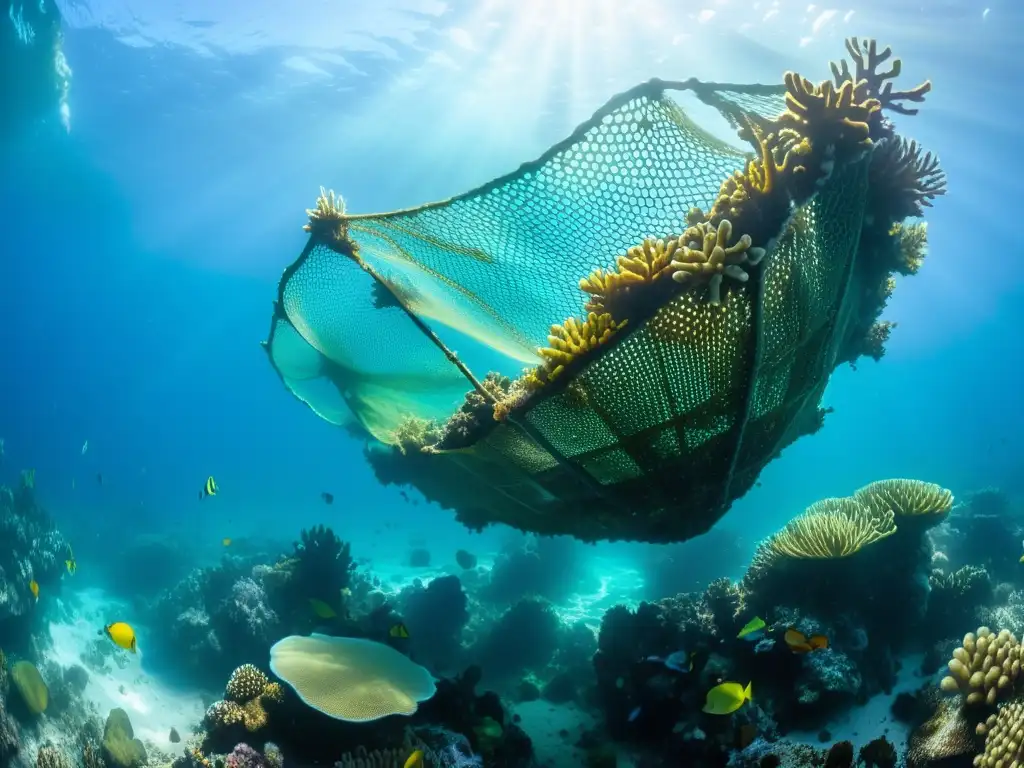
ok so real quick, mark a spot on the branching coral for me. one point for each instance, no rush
(574, 338)
(707, 255)
(831, 528)
(916, 500)
(1004, 738)
(642, 264)
(828, 114)
(246, 683)
(413, 434)
(985, 667)
(905, 177)
(327, 220)
(867, 59)
(762, 174)
(913, 245)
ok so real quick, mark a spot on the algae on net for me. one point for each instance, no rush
(718, 291)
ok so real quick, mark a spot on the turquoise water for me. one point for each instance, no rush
(152, 197)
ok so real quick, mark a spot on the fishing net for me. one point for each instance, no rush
(686, 368)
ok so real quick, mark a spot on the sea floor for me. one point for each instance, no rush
(153, 706)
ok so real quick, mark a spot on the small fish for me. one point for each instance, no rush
(322, 609)
(753, 630)
(346, 592)
(329, 499)
(209, 488)
(415, 760)
(399, 630)
(34, 588)
(635, 714)
(99, 478)
(72, 483)
(620, 683)
(72, 565)
(122, 634)
(85, 447)
(680, 661)
(798, 642)
(726, 698)
(226, 541)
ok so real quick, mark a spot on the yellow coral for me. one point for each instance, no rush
(827, 114)
(1004, 738)
(642, 264)
(985, 667)
(761, 174)
(328, 221)
(915, 499)
(913, 245)
(707, 255)
(574, 338)
(831, 528)
(246, 683)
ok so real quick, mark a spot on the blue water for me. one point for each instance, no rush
(143, 242)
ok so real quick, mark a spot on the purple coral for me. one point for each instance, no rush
(244, 756)
(248, 606)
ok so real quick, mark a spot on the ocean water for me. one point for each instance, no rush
(151, 199)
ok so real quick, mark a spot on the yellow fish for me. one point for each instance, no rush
(415, 760)
(209, 488)
(321, 609)
(122, 635)
(753, 629)
(399, 630)
(34, 588)
(71, 564)
(726, 698)
(226, 541)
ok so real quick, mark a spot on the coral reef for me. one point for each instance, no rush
(502, 653)
(544, 566)
(33, 550)
(246, 696)
(436, 617)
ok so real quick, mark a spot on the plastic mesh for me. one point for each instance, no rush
(685, 411)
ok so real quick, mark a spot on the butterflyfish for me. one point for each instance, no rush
(399, 630)
(34, 588)
(71, 564)
(321, 609)
(415, 760)
(209, 488)
(226, 541)
(123, 636)
(798, 642)
(753, 630)
(726, 698)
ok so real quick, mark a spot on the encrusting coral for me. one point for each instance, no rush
(985, 667)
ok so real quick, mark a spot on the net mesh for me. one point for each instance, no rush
(680, 415)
